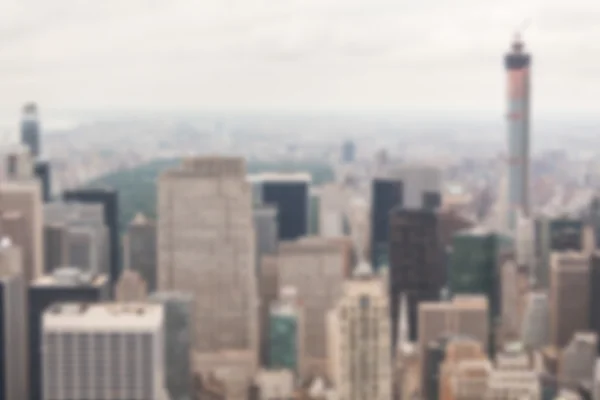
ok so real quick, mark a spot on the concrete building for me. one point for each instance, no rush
(16, 163)
(77, 236)
(569, 296)
(452, 382)
(594, 288)
(333, 208)
(265, 225)
(268, 292)
(359, 346)
(471, 379)
(510, 300)
(315, 267)
(178, 342)
(131, 287)
(24, 197)
(275, 384)
(463, 315)
(536, 321)
(505, 384)
(64, 285)
(286, 332)
(290, 194)
(139, 249)
(210, 252)
(109, 199)
(414, 263)
(103, 351)
(13, 324)
(579, 358)
(596, 383)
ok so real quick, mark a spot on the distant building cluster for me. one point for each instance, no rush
(399, 289)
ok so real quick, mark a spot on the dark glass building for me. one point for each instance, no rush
(30, 129)
(42, 172)
(290, 194)
(109, 198)
(595, 295)
(64, 285)
(415, 266)
(386, 194)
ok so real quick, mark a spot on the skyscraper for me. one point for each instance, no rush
(30, 129)
(139, 249)
(594, 288)
(109, 199)
(43, 172)
(209, 251)
(286, 331)
(13, 333)
(414, 263)
(517, 64)
(290, 194)
(103, 351)
(359, 347)
(64, 285)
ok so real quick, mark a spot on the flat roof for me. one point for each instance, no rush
(280, 177)
(100, 316)
(81, 279)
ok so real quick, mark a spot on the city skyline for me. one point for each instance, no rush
(309, 56)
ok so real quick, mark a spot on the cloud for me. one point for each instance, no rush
(291, 53)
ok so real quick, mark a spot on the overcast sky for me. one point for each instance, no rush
(409, 55)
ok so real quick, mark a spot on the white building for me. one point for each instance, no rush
(103, 351)
(206, 246)
(359, 339)
(275, 384)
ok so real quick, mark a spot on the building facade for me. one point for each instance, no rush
(286, 332)
(139, 249)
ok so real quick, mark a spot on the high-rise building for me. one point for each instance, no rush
(24, 197)
(139, 249)
(43, 173)
(464, 315)
(315, 266)
(64, 285)
(290, 194)
(16, 163)
(536, 321)
(510, 300)
(517, 63)
(348, 153)
(267, 233)
(109, 199)
(332, 214)
(569, 296)
(209, 252)
(131, 287)
(594, 288)
(13, 328)
(268, 288)
(286, 331)
(178, 342)
(554, 234)
(30, 129)
(77, 235)
(359, 346)
(414, 263)
(579, 357)
(451, 384)
(103, 351)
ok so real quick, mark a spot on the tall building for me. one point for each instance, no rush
(414, 263)
(411, 187)
(517, 63)
(64, 285)
(25, 198)
(359, 348)
(315, 266)
(77, 236)
(13, 328)
(554, 234)
(348, 153)
(268, 291)
(267, 233)
(464, 315)
(209, 252)
(461, 349)
(594, 288)
(139, 249)
(43, 173)
(510, 300)
(332, 214)
(290, 194)
(579, 358)
(536, 321)
(16, 163)
(569, 296)
(109, 199)
(30, 129)
(286, 331)
(103, 351)
(178, 342)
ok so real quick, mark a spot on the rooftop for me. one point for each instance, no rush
(97, 316)
(71, 276)
(280, 177)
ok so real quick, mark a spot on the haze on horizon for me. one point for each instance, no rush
(294, 55)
